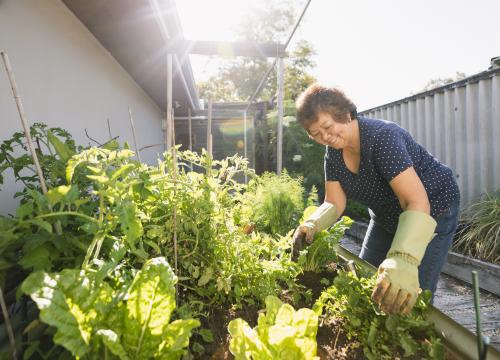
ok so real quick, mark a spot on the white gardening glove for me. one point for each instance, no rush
(322, 218)
(397, 285)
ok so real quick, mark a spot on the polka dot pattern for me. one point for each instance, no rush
(386, 151)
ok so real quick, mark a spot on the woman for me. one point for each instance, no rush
(412, 197)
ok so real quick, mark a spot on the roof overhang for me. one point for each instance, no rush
(131, 30)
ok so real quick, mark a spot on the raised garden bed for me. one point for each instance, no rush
(138, 258)
(457, 265)
(332, 339)
(458, 340)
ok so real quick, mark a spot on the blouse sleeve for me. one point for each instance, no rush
(391, 156)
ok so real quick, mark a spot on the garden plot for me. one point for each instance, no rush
(123, 260)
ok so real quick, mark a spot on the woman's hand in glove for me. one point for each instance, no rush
(302, 235)
(397, 286)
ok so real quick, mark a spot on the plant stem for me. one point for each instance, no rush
(64, 213)
(101, 222)
(8, 325)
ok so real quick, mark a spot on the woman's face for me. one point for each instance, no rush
(327, 131)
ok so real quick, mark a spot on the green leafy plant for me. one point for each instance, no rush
(281, 333)
(356, 211)
(275, 202)
(110, 200)
(322, 252)
(95, 318)
(53, 146)
(480, 236)
(104, 285)
(349, 300)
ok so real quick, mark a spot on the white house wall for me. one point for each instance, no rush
(460, 125)
(67, 79)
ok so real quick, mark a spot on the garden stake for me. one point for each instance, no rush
(482, 342)
(109, 130)
(133, 133)
(174, 176)
(8, 325)
(26, 129)
(486, 343)
(190, 136)
(351, 268)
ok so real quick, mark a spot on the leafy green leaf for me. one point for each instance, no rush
(37, 258)
(64, 151)
(43, 224)
(101, 179)
(56, 194)
(24, 210)
(112, 342)
(129, 222)
(122, 171)
(205, 278)
(245, 341)
(206, 335)
(151, 300)
(67, 302)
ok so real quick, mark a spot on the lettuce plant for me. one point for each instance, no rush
(281, 333)
(95, 319)
(322, 250)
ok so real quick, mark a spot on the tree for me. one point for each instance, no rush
(435, 83)
(238, 79)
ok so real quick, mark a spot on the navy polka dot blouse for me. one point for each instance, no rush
(386, 151)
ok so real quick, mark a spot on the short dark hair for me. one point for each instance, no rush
(317, 99)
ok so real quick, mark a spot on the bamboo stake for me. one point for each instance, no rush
(168, 135)
(190, 130)
(482, 341)
(8, 325)
(134, 134)
(109, 129)
(174, 176)
(190, 135)
(24, 122)
(209, 128)
(281, 90)
(26, 129)
(245, 155)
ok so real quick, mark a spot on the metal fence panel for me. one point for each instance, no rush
(458, 123)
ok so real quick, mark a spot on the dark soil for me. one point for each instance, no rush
(217, 322)
(312, 281)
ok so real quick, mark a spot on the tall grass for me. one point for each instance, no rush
(480, 238)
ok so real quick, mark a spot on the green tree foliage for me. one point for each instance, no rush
(435, 83)
(238, 78)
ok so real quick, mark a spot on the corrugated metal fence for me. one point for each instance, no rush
(459, 123)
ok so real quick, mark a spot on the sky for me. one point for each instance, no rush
(376, 51)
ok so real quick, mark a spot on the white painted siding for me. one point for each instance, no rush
(67, 79)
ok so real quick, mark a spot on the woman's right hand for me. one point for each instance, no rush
(304, 234)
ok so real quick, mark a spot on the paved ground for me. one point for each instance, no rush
(456, 299)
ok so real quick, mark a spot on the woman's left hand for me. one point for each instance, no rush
(397, 285)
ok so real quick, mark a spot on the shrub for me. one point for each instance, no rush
(479, 237)
(356, 211)
(275, 202)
